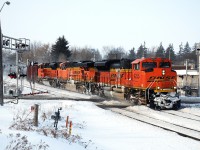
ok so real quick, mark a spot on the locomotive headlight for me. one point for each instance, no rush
(175, 87)
(158, 88)
(163, 72)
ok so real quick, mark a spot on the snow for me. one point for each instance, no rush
(93, 128)
(189, 72)
(168, 116)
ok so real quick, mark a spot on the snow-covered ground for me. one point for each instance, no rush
(93, 128)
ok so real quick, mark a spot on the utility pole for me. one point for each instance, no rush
(198, 53)
(1, 60)
(186, 71)
(1, 70)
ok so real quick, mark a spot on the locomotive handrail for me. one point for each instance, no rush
(149, 88)
(177, 84)
(156, 80)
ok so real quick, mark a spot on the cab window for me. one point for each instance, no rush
(149, 65)
(137, 66)
(164, 65)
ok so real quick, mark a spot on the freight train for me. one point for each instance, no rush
(149, 81)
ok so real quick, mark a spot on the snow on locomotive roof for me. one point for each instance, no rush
(148, 59)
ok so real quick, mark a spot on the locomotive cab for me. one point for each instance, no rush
(152, 82)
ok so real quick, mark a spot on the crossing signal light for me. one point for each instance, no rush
(12, 75)
(20, 45)
(22, 75)
(24, 45)
(6, 42)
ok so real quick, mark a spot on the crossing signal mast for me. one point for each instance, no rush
(19, 45)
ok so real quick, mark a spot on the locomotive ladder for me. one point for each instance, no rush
(150, 85)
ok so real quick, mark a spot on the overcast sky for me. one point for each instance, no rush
(98, 23)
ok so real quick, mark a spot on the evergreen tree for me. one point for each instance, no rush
(170, 52)
(60, 51)
(115, 53)
(186, 51)
(132, 54)
(160, 51)
(180, 53)
(193, 55)
(142, 51)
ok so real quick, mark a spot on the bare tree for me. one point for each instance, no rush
(38, 53)
(85, 53)
(114, 53)
(151, 52)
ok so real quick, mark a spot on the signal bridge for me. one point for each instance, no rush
(20, 45)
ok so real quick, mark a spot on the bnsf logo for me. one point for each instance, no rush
(76, 72)
(152, 78)
(116, 76)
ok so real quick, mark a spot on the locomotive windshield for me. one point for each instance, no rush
(149, 65)
(164, 65)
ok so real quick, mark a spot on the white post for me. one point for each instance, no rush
(198, 53)
(199, 72)
(186, 72)
(17, 73)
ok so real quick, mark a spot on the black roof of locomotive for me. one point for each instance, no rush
(113, 64)
(70, 64)
(85, 64)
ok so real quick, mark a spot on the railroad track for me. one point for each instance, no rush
(185, 131)
(54, 93)
(182, 114)
(176, 117)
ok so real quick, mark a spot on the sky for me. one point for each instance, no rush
(99, 23)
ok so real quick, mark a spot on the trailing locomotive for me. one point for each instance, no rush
(149, 81)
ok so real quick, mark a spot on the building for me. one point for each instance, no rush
(187, 79)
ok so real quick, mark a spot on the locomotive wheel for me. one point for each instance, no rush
(54, 84)
(51, 83)
(135, 102)
(126, 97)
(175, 107)
(158, 108)
(79, 89)
(151, 104)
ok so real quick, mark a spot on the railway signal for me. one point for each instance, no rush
(19, 45)
(12, 75)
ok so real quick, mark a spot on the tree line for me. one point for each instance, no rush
(61, 51)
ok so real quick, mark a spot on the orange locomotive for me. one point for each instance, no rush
(149, 81)
(153, 82)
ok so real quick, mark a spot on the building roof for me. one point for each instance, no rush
(189, 72)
